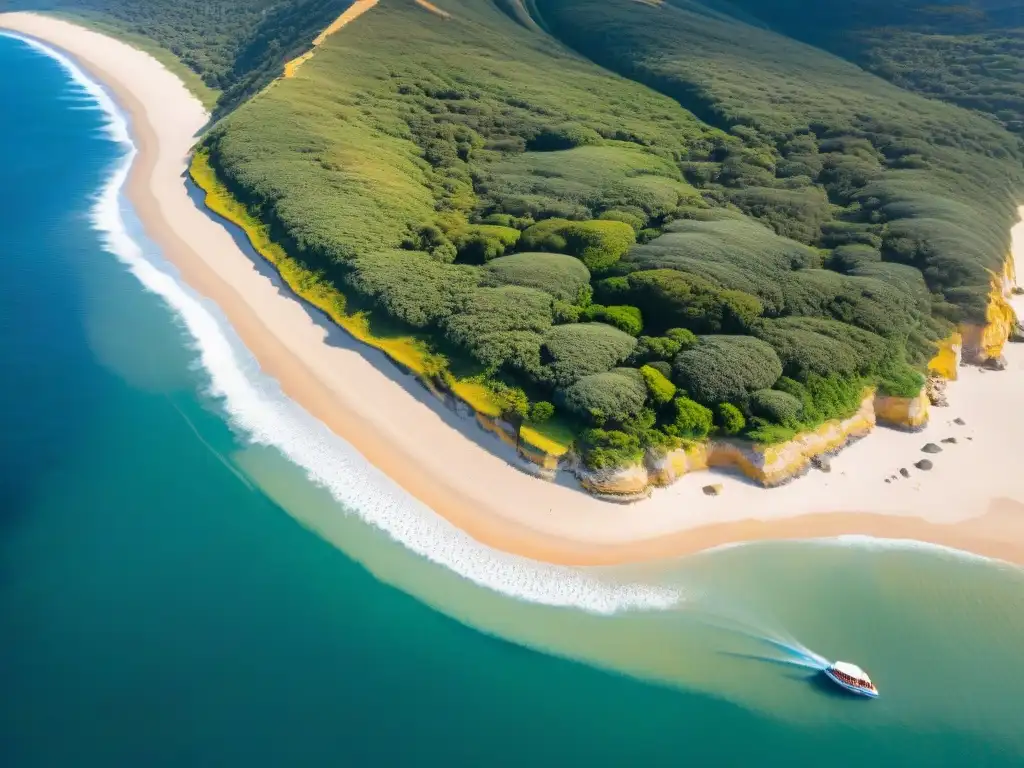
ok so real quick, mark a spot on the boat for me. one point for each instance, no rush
(851, 678)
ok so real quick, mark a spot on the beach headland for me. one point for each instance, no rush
(970, 498)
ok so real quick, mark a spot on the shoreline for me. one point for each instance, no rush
(971, 501)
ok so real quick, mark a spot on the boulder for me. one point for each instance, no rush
(959, 422)
(904, 471)
(713, 490)
(936, 389)
(821, 462)
(995, 364)
(1017, 333)
(1017, 290)
(950, 440)
(924, 464)
(931, 448)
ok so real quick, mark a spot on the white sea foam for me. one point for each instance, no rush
(257, 406)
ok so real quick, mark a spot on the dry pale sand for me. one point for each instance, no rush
(350, 14)
(971, 500)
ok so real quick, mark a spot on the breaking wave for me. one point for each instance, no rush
(256, 407)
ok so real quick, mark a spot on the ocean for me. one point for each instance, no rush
(195, 573)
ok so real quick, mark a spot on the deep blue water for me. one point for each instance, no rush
(163, 601)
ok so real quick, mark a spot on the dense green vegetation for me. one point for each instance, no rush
(968, 52)
(652, 222)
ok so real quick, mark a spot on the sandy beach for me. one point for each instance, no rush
(973, 499)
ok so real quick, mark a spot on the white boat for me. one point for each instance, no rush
(852, 678)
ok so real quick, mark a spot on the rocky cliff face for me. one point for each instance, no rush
(908, 413)
(772, 465)
(946, 363)
(767, 465)
(984, 343)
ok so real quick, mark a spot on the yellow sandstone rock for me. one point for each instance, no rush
(986, 342)
(768, 465)
(902, 412)
(946, 362)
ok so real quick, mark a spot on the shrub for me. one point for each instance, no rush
(598, 244)
(684, 338)
(660, 389)
(489, 310)
(662, 367)
(561, 137)
(615, 396)
(541, 411)
(513, 402)
(509, 350)
(724, 369)
(635, 220)
(654, 348)
(776, 407)
(612, 290)
(692, 421)
(730, 418)
(571, 352)
(502, 326)
(812, 345)
(412, 287)
(560, 275)
(483, 242)
(605, 449)
(824, 397)
(625, 318)
(500, 219)
(669, 298)
(545, 236)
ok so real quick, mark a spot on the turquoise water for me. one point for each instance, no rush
(172, 593)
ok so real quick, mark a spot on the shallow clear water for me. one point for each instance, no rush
(173, 594)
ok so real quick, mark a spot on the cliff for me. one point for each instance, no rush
(766, 465)
(984, 343)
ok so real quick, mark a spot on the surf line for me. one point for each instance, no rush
(258, 409)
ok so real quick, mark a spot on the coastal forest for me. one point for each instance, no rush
(630, 224)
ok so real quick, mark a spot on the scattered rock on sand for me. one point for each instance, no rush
(936, 389)
(950, 440)
(904, 471)
(1017, 290)
(1017, 333)
(713, 490)
(822, 463)
(970, 438)
(995, 363)
(959, 422)
(888, 480)
(931, 448)
(924, 464)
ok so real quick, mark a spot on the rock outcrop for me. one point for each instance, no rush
(946, 363)
(767, 465)
(982, 343)
(935, 387)
(906, 413)
(630, 483)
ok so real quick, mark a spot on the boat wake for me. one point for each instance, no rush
(258, 409)
(771, 645)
